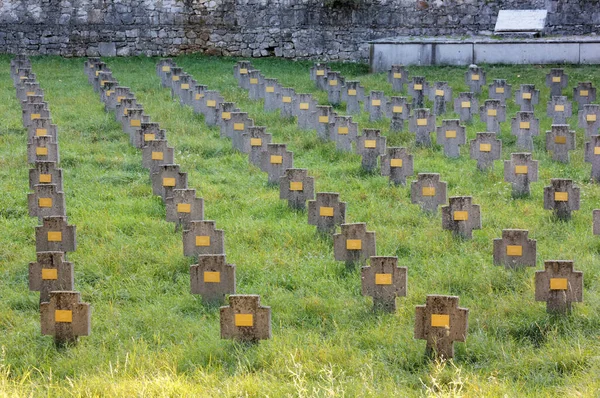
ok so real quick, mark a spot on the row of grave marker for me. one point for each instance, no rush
(245, 318)
(52, 275)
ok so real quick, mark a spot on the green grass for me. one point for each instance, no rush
(151, 337)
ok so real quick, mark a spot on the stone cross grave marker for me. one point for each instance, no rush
(107, 94)
(417, 89)
(255, 141)
(275, 160)
(344, 132)
(239, 126)
(461, 216)
(241, 70)
(467, 106)
(353, 95)
(515, 249)
(198, 102)
(589, 119)
(370, 145)
(50, 273)
(428, 192)
(42, 149)
(592, 155)
(451, 135)
(492, 113)
(55, 235)
(202, 237)
(398, 164)
(19, 62)
(100, 79)
(29, 89)
(559, 286)
(162, 67)
(46, 201)
(354, 244)
(32, 111)
(41, 127)
(113, 102)
(326, 212)
(212, 278)
(272, 88)
(186, 90)
(173, 77)
(384, 281)
(123, 107)
(65, 317)
(441, 322)
(561, 196)
(46, 173)
(245, 319)
(559, 109)
(560, 140)
(584, 93)
(376, 105)
(318, 73)
(557, 80)
(525, 126)
(296, 187)
(422, 124)
(303, 107)
(224, 121)
(500, 90)
(322, 119)
(256, 88)
(146, 133)
(168, 178)
(211, 108)
(183, 207)
(475, 78)
(520, 170)
(485, 148)
(133, 121)
(398, 77)
(398, 111)
(286, 98)
(155, 154)
(335, 83)
(441, 94)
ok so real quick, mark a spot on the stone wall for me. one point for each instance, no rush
(255, 28)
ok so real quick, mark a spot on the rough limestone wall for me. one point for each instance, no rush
(255, 28)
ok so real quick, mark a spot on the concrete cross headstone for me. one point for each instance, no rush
(303, 107)
(584, 93)
(561, 196)
(173, 77)
(318, 73)
(500, 90)
(286, 97)
(245, 319)
(515, 249)
(441, 94)
(211, 107)
(239, 124)
(422, 124)
(115, 99)
(202, 237)
(451, 135)
(560, 140)
(589, 119)
(326, 212)
(256, 86)
(322, 119)
(441, 322)
(353, 95)
(272, 88)
(123, 107)
(166, 179)
(162, 67)
(525, 126)
(527, 97)
(224, 119)
(46, 173)
(183, 207)
(520, 170)
(398, 111)
(376, 105)
(485, 148)
(240, 71)
(370, 145)
(428, 192)
(335, 84)
(417, 89)
(275, 160)
(255, 141)
(198, 93)
(354, 244)
(29, 89)
(32, 111)
(384, 281)
(592, 155)
(461, 216)
(557, 80)
(344, 132)
(55, 235)
(108, 92)
(42, 148)
(41, 127)
(146, 133)
(133, 121)
(466, 105)
(65, 317)
(212, 278)
(559, 286)
(398, 77)
(46, 201)
(397, 163)
(559, 109)
(492, 113)
(155, 154)
(50, 273)
(475, 78)
(296, 187)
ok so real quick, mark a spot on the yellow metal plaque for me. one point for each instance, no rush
(590, 118)
(120, 98)
(276, 159)
(97, 72)
(54, 236)
(244, 320)
(175, 78)
(499, 90)
(296, 186)
(439, 93)
(212, 277)
(323, 119)
(158, 156)
(421, 122)
(333, 82)
(184, 208)
(450, 133)
(238, 126)
(353, 244)
(475, 77)
(102, 82)
(560, 139)
(320, 72)
(395, 162)
(492, 112)
(253, 80)
(166, 69)
(584, 93)
(45, 178)
(226, 115)
(397, 109)
(168, 182)
(343, 130)
(559, 284)
(485, 147)
(352, 92)
(304, 106)
(561, 196)
(63, 316)
(45, 202)
(203, 241)
(243, 71)
(370, 143)
(30, 93)
(525, 125)
(559, 108)
(514, 250)
(255, 142)
(49, 274)
(41, 151)
(428, 191)
(211, 103)
(383, 279)
(597, 150)
(521, 169)
(440, 321)
(326, 211)
(185, 86)
(375, 102)
(109, 93)
(270, 89)
(35, 116)
(199, 96)
(465, 104)
(149, 137)
(286, 100)
(418, 87)
(397, 75)
(135, 122)
(526, 96)
(461, 215)
(555, 79)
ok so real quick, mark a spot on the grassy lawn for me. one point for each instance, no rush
(151, 337)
